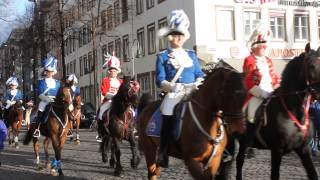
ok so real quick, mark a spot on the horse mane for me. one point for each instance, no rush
(292, 73)
(118, 104)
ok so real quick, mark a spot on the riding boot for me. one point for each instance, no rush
(36, 133)
(250, 140)
(163, 159)
(100, 130)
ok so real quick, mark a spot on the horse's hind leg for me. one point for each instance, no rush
(77, 131)
(241, 156)
(36, 148)
(275, 164)
(135, 155)
(46, 151)
(104, 148)
(196, 170)
(304, 154)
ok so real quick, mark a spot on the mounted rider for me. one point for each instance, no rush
(109, 87)
(260, 77)
(12, 96)
(47, 89)
(177, 70)
(72, 80)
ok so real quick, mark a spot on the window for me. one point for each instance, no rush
(84, 35)
(150, 4)
(104, 52)
(116, 7)
(74, 66)
(81, 66)
(89, 31)
(90, 62)
(277, 25)
(109, 18)
(301, 27)
(144, 80)
(125, 48)
(80, 37)
(124, 8)
(140, 37)
(251, 18)
(225, 24)
(151, 38)
(118, 47)
(163, 41)
(110, 48)
(85, 62)
(139, 6)
(79, 9)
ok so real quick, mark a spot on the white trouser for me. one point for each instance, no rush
(170, 101)
(42, 105)
(252, 107)
(105, 106)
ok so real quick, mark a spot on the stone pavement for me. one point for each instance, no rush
(84, 162)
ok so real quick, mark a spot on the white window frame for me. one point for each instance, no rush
(116, 11)
(151, 36)
(150, 4)
(141, 40)
(125, 48)
(305, 15)
(139, 7)
(276, 15)
(163, 41)
(252, 22)
(117, 47)
(223, 28)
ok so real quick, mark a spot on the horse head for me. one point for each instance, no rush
(64, 97)
(227, 94)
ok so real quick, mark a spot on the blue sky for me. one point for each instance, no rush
(14, 9)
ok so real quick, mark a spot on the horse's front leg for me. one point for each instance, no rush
(276, 158)
(36, 148)
(241, 155)
(77, 130)
(305, 156)
(135, 155)
(118, 170)
(46, 151)
(58, 143)
(196, 169)
(104, 147)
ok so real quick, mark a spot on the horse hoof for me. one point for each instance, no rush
(17, 146)
(48, 166)
(39, 168)
(60, 172)
(118, 173)
(54, 172)
(77, 142)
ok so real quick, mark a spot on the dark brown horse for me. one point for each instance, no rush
(55, 129)
(120, 124)
(203, 136)
(15, 117)
(75, 118)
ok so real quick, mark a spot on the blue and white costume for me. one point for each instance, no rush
(178, 70)
(12, 95)
(48, 87)
(75, 90)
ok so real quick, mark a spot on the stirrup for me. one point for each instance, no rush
(36, 133)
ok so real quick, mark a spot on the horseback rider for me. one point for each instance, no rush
(47, 88)
(176, 69)
(260, 77)
(13, 95)
(109, 87)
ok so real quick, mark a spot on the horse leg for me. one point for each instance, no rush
(276, 157)
(36, 148)
(196, 169)
(304, 154)
(112, 161)
(46, 151)
(135, 155)
(77, 131)
(16, 136)
(241, 156)
(118, 169)
(104, 148)
(56, 165)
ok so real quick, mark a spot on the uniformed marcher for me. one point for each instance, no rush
(48, 88)
(177, 69)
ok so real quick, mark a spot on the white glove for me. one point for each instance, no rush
(258, 92)
(199, 81)
(13, 102)
(109, 96)
(43, 97)
(50, 99)
(8, 102)
(168, 86)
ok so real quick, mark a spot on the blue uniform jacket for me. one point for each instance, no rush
(3, 133)
(16, 98)
(42, 87)
(166, 71)
(315, 113)
(75, 93)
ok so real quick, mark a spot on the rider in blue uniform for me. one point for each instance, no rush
(12, 96)
(72, 80)
(48, 88)
(178, 73)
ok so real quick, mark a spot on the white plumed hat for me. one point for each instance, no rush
(50, 64)
(72, 77)
(178, 22)
(112, 62)
(261, 35)
(12, 81)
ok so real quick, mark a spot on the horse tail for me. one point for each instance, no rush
(28, 137)
(144, 101)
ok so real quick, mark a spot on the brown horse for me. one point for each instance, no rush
(120, 125)
(75, 118)
(15, 117)
(55, 128)
(203, 135)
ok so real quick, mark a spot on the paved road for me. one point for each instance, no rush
(84, 162)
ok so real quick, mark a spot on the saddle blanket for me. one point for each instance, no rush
(154, 126)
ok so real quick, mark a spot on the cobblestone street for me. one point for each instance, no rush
(84, 162)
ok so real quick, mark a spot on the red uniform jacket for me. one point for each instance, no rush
(105, 86)
(253, 76)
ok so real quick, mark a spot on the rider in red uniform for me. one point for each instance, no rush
(109, 88)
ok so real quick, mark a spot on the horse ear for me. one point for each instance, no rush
(307, 48)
